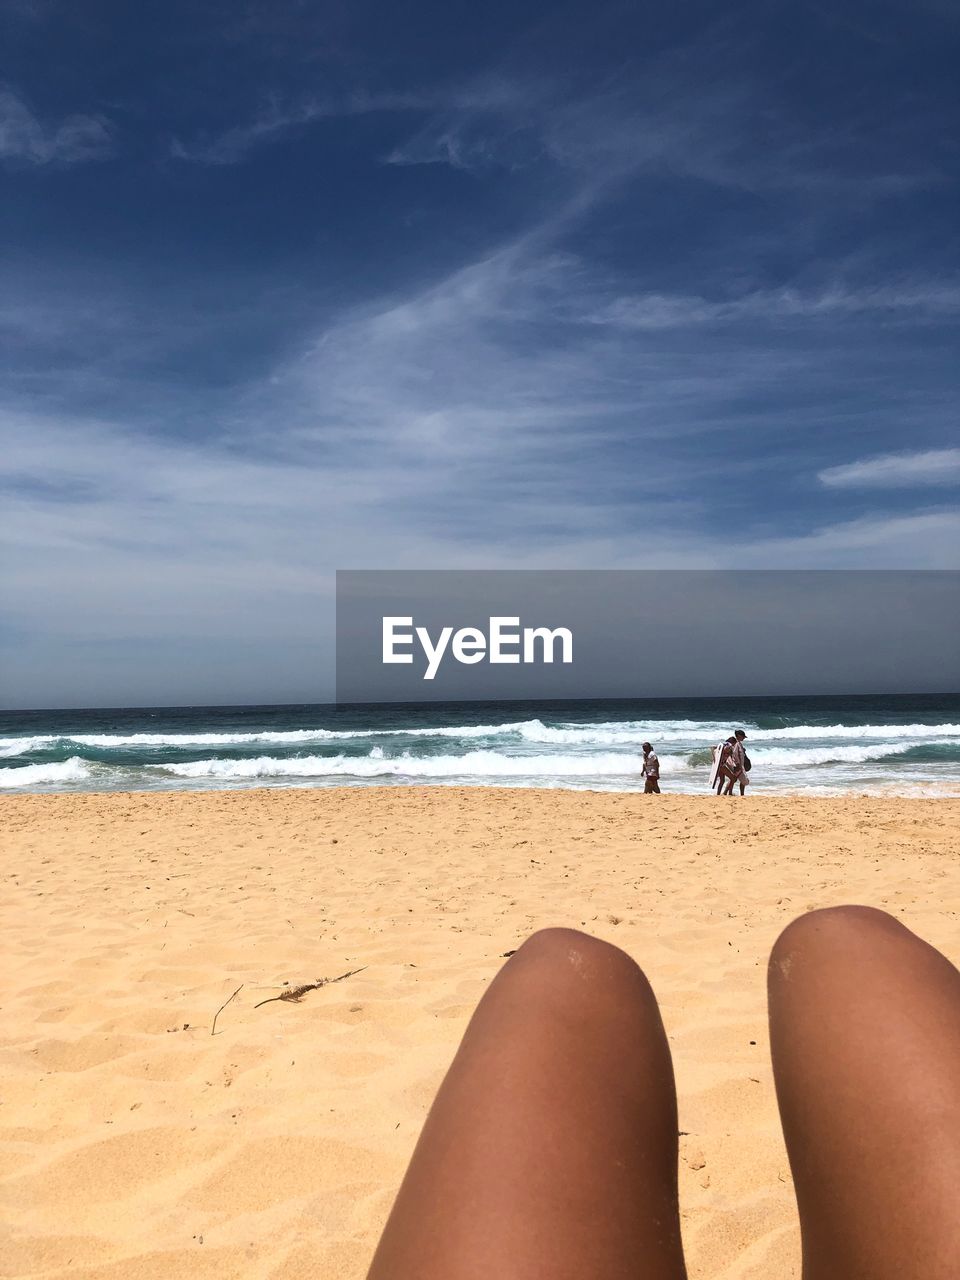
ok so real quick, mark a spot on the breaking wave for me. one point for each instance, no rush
(30, 775)
(476, 764)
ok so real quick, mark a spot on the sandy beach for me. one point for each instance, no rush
(138, 1144)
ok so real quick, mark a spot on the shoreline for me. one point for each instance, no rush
(887, 791)
(130, 1131)
(329, 794)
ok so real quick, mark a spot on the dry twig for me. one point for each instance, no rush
(213, 1029)
(296, 994)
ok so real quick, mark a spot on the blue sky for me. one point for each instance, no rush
(289, 287)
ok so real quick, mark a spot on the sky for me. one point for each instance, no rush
(290, 287)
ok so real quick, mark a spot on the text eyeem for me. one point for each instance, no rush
(504, 641)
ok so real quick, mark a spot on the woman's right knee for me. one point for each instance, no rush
(826, 934)
(825, 925)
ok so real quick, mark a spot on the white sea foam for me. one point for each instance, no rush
(29, 775)
(486, 764)
(693, 726)
(625, 732)
(676, 731)
(821, 732)
(828, 753)
(277, 737)
(495, 764)
(108, 741)
(605, 733)
(612, 733)
(23, 746)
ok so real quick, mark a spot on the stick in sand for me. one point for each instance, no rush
(296, 994)
(213, 1029)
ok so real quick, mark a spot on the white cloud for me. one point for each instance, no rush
(279, 117)
(691, 112)
(30, 10)
(896, 471)
(654, 311)
(913, 540)
(641, 123)
(73, 140)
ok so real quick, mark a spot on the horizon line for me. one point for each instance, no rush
(450, 702)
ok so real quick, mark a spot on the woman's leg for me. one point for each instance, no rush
(865, 1035)
(551, 1147)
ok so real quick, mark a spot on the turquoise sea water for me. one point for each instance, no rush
(822, 745)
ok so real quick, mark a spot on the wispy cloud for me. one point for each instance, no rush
(31, 10)
(636, 123)
(281, 116)
(702, 112)
(481, 415)
(925, 539)
(278, 118)
(26, 139)
(896, 471)
(669, 311)
(492, 120)
(486, 385)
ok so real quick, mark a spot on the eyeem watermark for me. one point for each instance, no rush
(503, 642)
(446, 635)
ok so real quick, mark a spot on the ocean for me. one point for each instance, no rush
(813, 745)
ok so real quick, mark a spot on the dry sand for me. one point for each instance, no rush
(137, 1144)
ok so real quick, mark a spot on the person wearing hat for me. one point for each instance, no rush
(651, 771)
(736, 764)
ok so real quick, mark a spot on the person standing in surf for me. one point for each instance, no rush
(651, 771)
(736, 764)
(721, 754)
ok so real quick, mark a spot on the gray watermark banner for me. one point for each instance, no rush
(437, 635)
